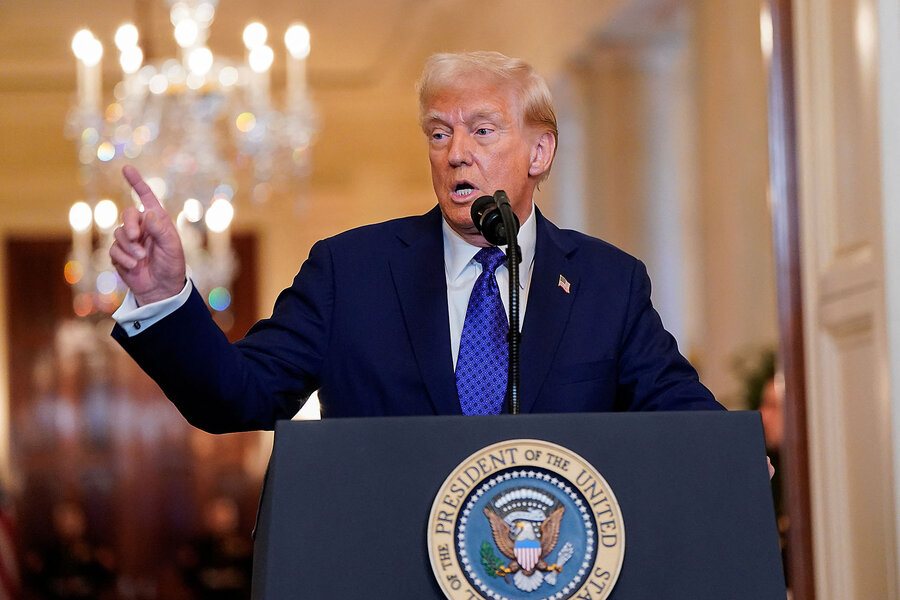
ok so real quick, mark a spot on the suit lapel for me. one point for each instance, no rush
(421, 285)
(548, 309)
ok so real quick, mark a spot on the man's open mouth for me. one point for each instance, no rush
(464, 189)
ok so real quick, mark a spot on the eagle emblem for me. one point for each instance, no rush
(509, 523)
(525, 523)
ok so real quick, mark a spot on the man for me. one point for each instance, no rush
(379, 328)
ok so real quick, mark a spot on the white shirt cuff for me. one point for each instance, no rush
(135, 319)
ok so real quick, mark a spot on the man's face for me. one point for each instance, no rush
(478, 144)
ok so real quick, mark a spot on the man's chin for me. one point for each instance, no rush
(463, 204)
(465, 228)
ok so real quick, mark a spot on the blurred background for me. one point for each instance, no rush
(739, 147)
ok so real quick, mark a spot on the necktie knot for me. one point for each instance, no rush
(490, 258)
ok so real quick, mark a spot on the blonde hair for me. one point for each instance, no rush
(448, 69)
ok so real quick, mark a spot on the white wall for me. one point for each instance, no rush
(889, 93)
(848, 378)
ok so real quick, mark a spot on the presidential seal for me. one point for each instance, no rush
(526, 520)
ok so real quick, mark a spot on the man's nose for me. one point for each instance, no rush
(460, 150)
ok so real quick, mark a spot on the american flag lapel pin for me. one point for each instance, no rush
(564, 284)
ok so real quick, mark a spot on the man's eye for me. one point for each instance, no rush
(482, 131)
(438, 136)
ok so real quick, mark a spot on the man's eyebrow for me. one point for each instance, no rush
(432, 118)
(494, 116)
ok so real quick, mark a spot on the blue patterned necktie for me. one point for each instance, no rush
(483, 361)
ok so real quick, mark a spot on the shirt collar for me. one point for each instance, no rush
(458, 253)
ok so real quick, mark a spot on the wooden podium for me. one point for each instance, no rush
(346, 502)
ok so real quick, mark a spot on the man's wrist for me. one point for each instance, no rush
(136, 319)
(159, 295)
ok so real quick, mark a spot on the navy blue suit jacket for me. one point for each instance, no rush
(365, 322)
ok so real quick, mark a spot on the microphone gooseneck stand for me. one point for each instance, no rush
(495, 219)
(513, 258)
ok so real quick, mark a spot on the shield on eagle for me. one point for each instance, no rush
(528, 552)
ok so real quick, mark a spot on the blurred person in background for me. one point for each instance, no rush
(9, 566)
(217, 564)
(71, 566)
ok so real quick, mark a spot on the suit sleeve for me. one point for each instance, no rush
(652, 373)
(222, 387)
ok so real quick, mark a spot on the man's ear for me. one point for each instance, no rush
(542, 153)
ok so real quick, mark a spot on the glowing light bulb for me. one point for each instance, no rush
(219, 215)
(80, 216)
(158, 187)
(186, 33)
(766, 31)
(255, 35)
(87, 48)
(205, 12)
(80, 42)
(179, 12)
(200, 60)
(106, 213)
(193, 210)
(261, 58)
(126, 37)
(131, 59)
(296, 38)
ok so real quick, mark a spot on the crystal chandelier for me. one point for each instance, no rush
(202, 130)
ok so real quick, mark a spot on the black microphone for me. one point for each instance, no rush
(488, 219)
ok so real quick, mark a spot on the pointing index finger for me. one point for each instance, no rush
(146, 195)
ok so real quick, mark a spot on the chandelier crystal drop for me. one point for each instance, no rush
(203, 131)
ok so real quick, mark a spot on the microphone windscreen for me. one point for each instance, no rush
(481, 206)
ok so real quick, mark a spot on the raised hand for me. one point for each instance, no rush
(147, 250)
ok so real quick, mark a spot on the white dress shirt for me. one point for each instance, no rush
(460, 269)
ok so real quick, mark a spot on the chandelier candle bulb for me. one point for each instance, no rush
(82, 84)
(88, 50)
(106, 214)
(80, 220)
(131, 57)
(126, 37)
(218, 243)
(82, 244)
(200, 60)
(93, 77)
(255, 35)
(259, 60)
(187, 34)
(78, 42)
(296, 80)
(296, 40)
(80, 216)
